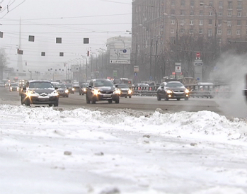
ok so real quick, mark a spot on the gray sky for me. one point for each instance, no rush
(72, 20)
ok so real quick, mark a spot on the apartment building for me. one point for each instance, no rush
(155, 23)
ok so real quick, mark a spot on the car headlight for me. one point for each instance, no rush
(168, 91)
(30, 93)
(55, 93)
(73, 89)
(117, 91)
(129, 91)
(84, 89)
(187, 91)
(66, 91)
(96, 92)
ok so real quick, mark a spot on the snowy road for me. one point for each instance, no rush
(81, 151)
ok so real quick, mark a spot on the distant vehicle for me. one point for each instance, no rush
(2, 84)
(39, 92)
(172, 90)
(245, 90)
(76, 87)
(83, 88)
(102, 90)
(123, 81)
(125, 90)
(14, 87)
(70, 88)
(62, 90)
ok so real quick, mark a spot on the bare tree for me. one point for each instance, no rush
(3, 62)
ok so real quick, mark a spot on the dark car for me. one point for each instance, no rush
(172, 90)
(14, 87)
(70, 88)
(39, 92)
(62, 90)
(83, 88)
(102, 90)
(125, 90)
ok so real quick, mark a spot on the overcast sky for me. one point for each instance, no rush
(71, 20)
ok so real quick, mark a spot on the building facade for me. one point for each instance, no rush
(157, 23)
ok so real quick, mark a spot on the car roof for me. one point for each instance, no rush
(30, 81)
(174, 82)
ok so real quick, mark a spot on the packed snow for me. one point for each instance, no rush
(55, 151)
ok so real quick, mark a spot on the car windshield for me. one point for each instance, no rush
(123, 86)
(174, 85)
(41, 85)
(60, 86)
(100, 83)
(84, 85)
(14, 84)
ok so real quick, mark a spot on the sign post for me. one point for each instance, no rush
(177, 69)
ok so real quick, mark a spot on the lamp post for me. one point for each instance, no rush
(86, 65)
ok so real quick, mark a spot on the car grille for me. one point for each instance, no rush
(43, 94)
(106, 92)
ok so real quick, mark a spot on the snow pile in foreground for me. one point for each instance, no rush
(46, 150)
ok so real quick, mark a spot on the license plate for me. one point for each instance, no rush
(107, 95)
(43, 99)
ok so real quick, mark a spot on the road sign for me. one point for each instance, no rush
(178, 67)
(120, 56)
(136, 69)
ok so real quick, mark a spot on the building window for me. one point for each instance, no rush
(191, 12)
(172, 31)
(182, 12)
(229, 14)
(230, 5)
(239, 22)
(239, 13)
(191, 22)
(182, 22)
(220, 14)
(229, 23)
(210, 3)
(210, 21)
(182, 2)
(210, 13)
(220, 4)
(219, 32)
(201, 22)
(191, 31)
(173, 3)
(192, 3)
(240, 4)
(200, 31)
(210, 33)
(172, 22)
(219, 22)
(182, 30)
(238, 32)
(229, 32)
(201, 12)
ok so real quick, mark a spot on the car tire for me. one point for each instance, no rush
(87, 100)
(50, 105)
(158, 98)
(93, 101)
(109, 101)
(129, 96)
(27, 102)
(178, 99)
(126, 96)
(166, 99)
(56, 103)
(117, 101)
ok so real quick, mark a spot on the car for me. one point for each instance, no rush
(83, 88)
(2, 84)
(14, 87)
(102, 90)
(70, 88)
(62, 90)
(172, 90)
(39, 92)
(125, 90)
(76, 87)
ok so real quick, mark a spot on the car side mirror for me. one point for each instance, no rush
(116, 85)
(56, 88)
(162, 87)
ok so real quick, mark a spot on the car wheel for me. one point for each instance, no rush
(158, 98)
(178, 99)
(129, 96)
(56, 103)
(117, 101)
(27, 102)
(125, 96)
(93, 101)
(109, 101)
(166, 99)
(50, 105)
